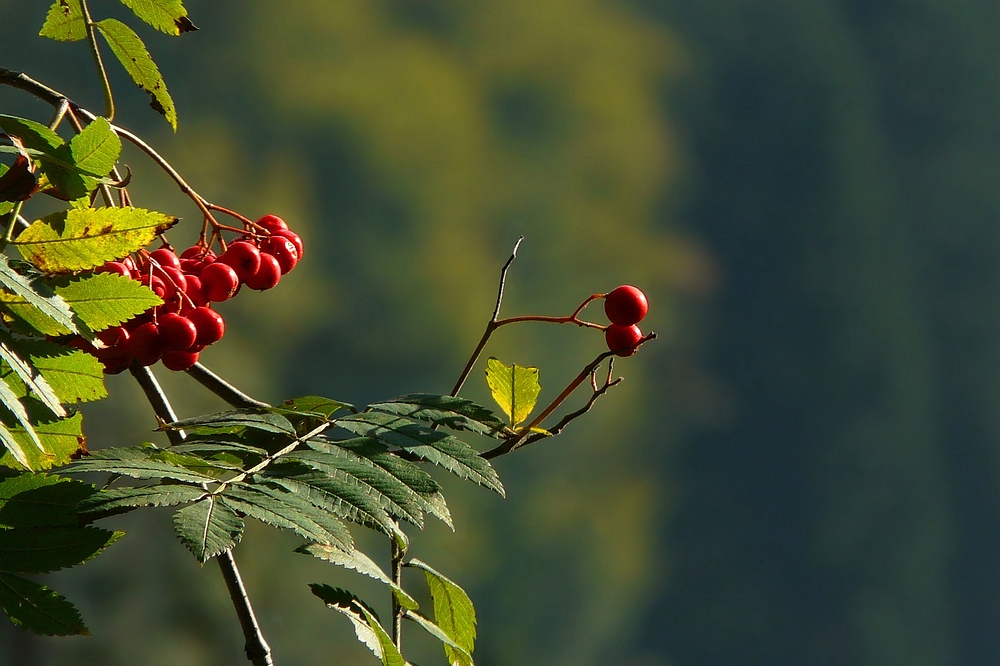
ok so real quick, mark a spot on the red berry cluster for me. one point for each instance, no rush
(625, 306)
(185, 324)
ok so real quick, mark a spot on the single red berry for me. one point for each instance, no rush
(165, 257)
(145, 344)
(625, 305)
(115, 268)
(179, 360)
(267, 276)
(174, 276)
(176, 332)
(281, 249)
(195, 291)
(622, 339)
(244, 257)
(294, 237)
(209, 324)
(272, 223)
(219, 281)
(115, 341)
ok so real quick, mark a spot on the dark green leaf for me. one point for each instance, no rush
(444, 410)
(38, 303)
(286, 510)
(235, 420)
(208, 527)
(366, 624)
(64, 22)
(453, 613)
(136, 462)
(359, 562)
(167, 16)
(134, 57)
(437, 447)
(47, 549)
(39, 609)
(337, 493)
(315, 406)
(54, 155)
(41, 500)
(81, 239)
(121, 500)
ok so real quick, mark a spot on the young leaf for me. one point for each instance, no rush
(121, 500)
(235, 420)
(359, 562)
(134, 57)
(208, 527)
(287, 511)
(41, 500)
(96, 148)
(35, 382)
(457, 656)
(47, 549)
(444, 410)
(61, 438)
(453, 613)
(81, 239)
(514, 387)
(73, 375)
(34, 302)
(168, 16)
(136, 462)
(366, 624)
(437, 447)
(64, 22)
(39, 609)
(315, 406)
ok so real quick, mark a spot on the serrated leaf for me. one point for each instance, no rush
(454, 652)
(32, 379)
(235, 420)
(81, 239)
(315, 405)
(9, 400)
(432, 445)
(54, 156)
(515, 388)
(453, 613)
(61, 438)
(208, 527)
(96, 148)
(134, 57)
(73, 375)
(64, 22)
(135, 462)
(359, 562)
(390, 655)
(31, 606)
(16, 449)
(121, 500)
(286, 510)
(103, 300)
(48, 549)
(351, 606)
(167, 16)
(34, 302)
(444, 410)
(41, 500)
(336, 492)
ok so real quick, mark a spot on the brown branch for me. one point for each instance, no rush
(222, 388)
(398, 553)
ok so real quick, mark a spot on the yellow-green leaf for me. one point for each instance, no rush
(168, 16)
(134, 57)
(61, 439)
(103, 300)
(96, 148)
(64, 22)
(514, 387)
(81, 239)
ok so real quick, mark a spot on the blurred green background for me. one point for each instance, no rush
(803, 469)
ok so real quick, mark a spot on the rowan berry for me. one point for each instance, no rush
(622, 339)
(625, 305)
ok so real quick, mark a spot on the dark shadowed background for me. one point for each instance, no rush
(803, 469)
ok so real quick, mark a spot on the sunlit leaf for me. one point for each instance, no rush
(453, 613)
(34, 302)
(61, 439)
(32, 379)
(457, 656)
(96, 148)
(134, 57)
(64, 22)
(514, 387)
(366, 624)
(74, 375)
(168, 16)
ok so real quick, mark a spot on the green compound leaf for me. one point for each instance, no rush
(96, 148)
(34, 302)
(136, 462)
(54, 156)
(122, 500)
(313, 405)
(61, 439)
(359, 562)
(134, 57)
(514, 387)
(36, 608)
(17, 450)
(81, 239)
(208, 527)
(453, 613)
(64, 22)
(10, 401)
(41, 500)
(167, 16)
(456, 655)
(432, 445)
(33, 381)
(48, 549)
(73, 375)
(366, 625)
(102, 300)
(235, 420)
(444, 410)
(286, 510)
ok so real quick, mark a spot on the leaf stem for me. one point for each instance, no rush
(109, 102)
(398, 553)
(256, 648)
(13, 216)
(222, 388)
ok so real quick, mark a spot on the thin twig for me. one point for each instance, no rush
(257, 650)
(59, 114)
(222, 388)
(398, 552)
(109, 102)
